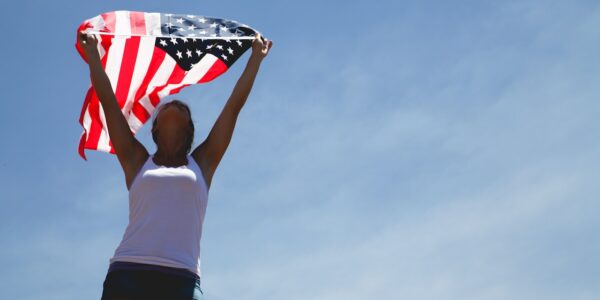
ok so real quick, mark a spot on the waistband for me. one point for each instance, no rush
(126, 265)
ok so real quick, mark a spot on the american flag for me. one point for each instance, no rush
(148, 56)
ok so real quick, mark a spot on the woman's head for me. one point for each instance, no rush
(173, 126)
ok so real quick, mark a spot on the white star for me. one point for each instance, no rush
(213, 24)
(223, 56)
(220, 47)
(239, 42)
(202, 20)
(210, 46)
(179, 53)
(229, 50)
(189, 53)
(180, 21)
(191, 27)
(174, 41)
(198, 52)
(184, 39)
(227, 40)
(163, 42)
(223, 28)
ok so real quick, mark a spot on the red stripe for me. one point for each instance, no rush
(112, 149)
(126, 73)
(91, 104)
(140, 112)
(94, 111)
(213, 72)
(80, 148)
(158, 57)
(82, 139)
(176, 77)
(177, 89)
(81, 27)
(106, 42)
(110, 21)
(130, 51)
(88, 96)
(129, 60)
(138, 26)
(218, 68)
(138, 22)
(96, 124)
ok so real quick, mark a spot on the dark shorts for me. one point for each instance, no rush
(132, 282)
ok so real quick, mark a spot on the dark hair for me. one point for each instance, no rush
(180, 104)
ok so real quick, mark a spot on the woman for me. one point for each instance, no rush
(158, 257)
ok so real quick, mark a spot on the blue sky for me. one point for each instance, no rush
(388, 150)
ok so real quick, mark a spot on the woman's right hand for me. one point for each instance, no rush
(260, 46)
(89, 44)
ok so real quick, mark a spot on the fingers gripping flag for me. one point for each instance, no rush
(148, 56)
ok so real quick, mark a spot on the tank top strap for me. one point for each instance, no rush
(193, 164)
(141, 170)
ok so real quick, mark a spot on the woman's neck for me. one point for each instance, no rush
(166, 158)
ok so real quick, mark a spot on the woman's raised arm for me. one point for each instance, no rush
(210, 152)
(128, 149)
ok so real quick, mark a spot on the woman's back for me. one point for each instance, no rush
(167, 206)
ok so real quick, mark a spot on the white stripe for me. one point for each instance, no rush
(83, 135)
(145, 102)
(134, 123)
(123, 24)
(193, 76)
(112, 69)
(160, 78)
(152, 23)
(113, 62)
(98, 22)
(142, 62)
(87, 121)
(100, 48)
(232, 37)
(103, 144)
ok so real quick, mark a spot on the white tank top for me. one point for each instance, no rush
(166, 212)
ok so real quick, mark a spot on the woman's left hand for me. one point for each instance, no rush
(261, 46)
(89, 44)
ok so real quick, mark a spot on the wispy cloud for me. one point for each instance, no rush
(471, 184)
